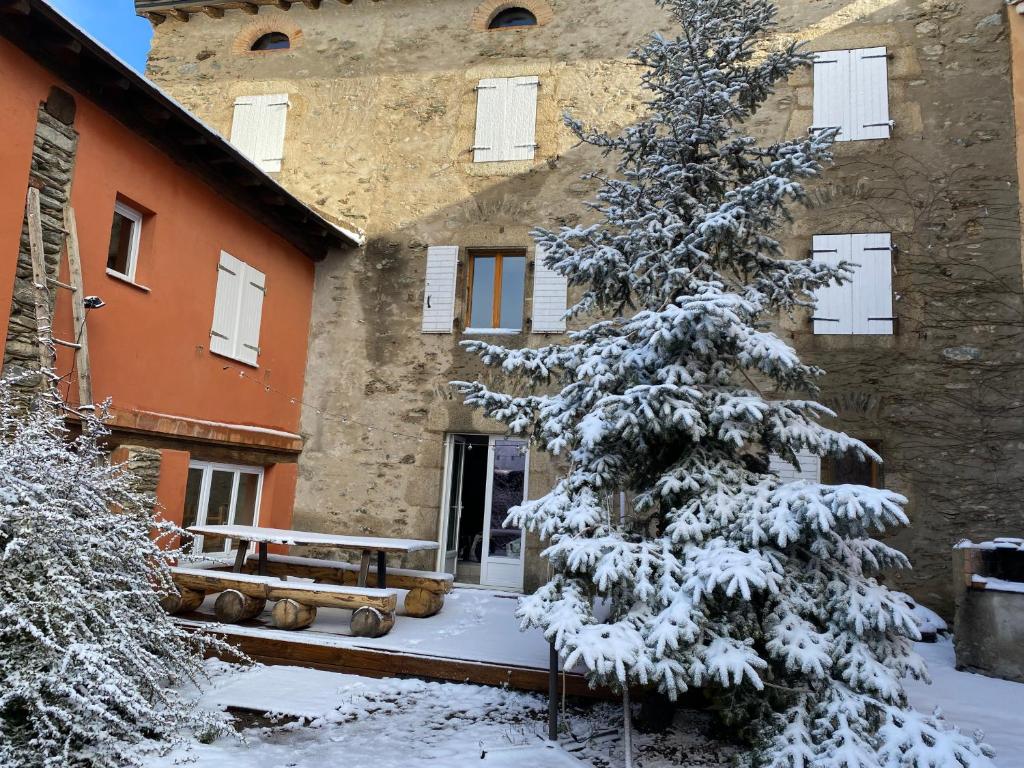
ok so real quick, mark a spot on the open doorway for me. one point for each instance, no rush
(485, 476)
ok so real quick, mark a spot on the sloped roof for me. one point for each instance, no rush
(158, 10)
(96, 73)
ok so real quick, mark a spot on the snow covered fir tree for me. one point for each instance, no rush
(720, 576)
(90, 664)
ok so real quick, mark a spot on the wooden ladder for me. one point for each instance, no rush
(41, 295)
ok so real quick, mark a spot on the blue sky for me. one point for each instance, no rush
(113, 23)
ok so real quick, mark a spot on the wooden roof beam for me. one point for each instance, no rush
(179, 14)
(284, 5)
(250, 8)
(213, 11)
(311, 4)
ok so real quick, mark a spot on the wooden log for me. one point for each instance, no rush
(291, 614)
(422, 603)
(369, 622)
(232, 606)
(183, 601)
(304, 593)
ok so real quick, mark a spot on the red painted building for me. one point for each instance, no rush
(204, 265)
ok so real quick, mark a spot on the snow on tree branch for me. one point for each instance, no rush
(720, 576)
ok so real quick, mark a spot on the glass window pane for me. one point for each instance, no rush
(245, 505)
(193, 488)
(482, 301)
(119, 250)
(513, 280)
(508, 485)
(218, 507)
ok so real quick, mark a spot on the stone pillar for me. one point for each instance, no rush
(53, 160)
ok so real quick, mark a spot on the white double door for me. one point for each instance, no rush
(477, 496)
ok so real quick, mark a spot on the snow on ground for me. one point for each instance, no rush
(391, 723)
(973, 702)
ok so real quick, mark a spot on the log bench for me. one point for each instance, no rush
(243, 596)
(426, 589)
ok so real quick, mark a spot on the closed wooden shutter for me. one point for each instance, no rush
(521, 117)
(832, 92)
(491, 140)
(833, 312)
(224, 332)
(258, 129)
(872, 287)
(550, 297)
(810, 468)
(439, 291)
(250, 315)
(869, 94)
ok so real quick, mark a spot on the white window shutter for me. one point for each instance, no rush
(224, 333)
(521, 117)
(491, 139)
(872, 288)
(439, 292)
(810, 468)
(250, 315)
(550, 297)
(258, 129)
(869, 94)
(831, 106)
(833, 313)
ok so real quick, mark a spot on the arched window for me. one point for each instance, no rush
(513, 17)
(272, 41)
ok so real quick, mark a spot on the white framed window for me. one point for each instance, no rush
(237, 310)
(851, 92)
(506, 119)
(863, 306)
(221, 494)
(258, 129)
(125, 235)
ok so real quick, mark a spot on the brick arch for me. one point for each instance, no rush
(257, 29)
(488, 9)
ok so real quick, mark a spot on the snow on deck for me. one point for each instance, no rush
(474, 625)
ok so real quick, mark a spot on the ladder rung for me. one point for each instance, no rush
(70, 344)
(59, 284)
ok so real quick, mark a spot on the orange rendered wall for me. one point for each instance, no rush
(149, 350)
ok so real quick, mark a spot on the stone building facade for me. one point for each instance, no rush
(383, 100)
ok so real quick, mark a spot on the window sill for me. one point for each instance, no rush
(235, 359)
(127, 280)
(492, 331)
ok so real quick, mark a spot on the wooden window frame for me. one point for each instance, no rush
(499, 255)
(828, 467)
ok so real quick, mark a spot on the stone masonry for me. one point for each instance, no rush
(379, 134)
(53, 162)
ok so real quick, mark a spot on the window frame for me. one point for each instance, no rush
(498, 254)
(829, 466)
(136, 218)
(202, 504)
(285, 35)
(502, 11)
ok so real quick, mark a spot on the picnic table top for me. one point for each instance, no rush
(281, 536)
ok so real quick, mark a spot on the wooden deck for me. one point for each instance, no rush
(475, 639)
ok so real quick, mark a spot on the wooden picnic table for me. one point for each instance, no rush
(367, 545)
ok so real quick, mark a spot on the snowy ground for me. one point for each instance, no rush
(413, 724)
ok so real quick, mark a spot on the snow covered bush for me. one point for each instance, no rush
(720, 576)
(89, 662)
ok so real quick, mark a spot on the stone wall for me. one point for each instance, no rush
(379, 134)
(53, 162)
(143, 465)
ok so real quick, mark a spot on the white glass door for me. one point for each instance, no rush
(502, 551)
(452, 504)
(221, 494)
